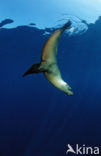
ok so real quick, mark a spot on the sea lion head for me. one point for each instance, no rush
(65, 87)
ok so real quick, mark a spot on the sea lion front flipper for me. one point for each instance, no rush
(36, 68)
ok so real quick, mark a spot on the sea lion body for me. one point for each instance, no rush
(49, 65)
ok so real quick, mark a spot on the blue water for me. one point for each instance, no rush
(36, 119)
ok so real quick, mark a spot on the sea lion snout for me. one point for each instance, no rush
(69, 91)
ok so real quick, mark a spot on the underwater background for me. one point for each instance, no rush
(36, 119)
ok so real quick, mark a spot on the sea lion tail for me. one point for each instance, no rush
(35, 68)
(67, 25)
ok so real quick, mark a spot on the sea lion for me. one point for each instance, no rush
(48, 64)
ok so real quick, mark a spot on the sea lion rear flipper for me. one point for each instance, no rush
(35, 68)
